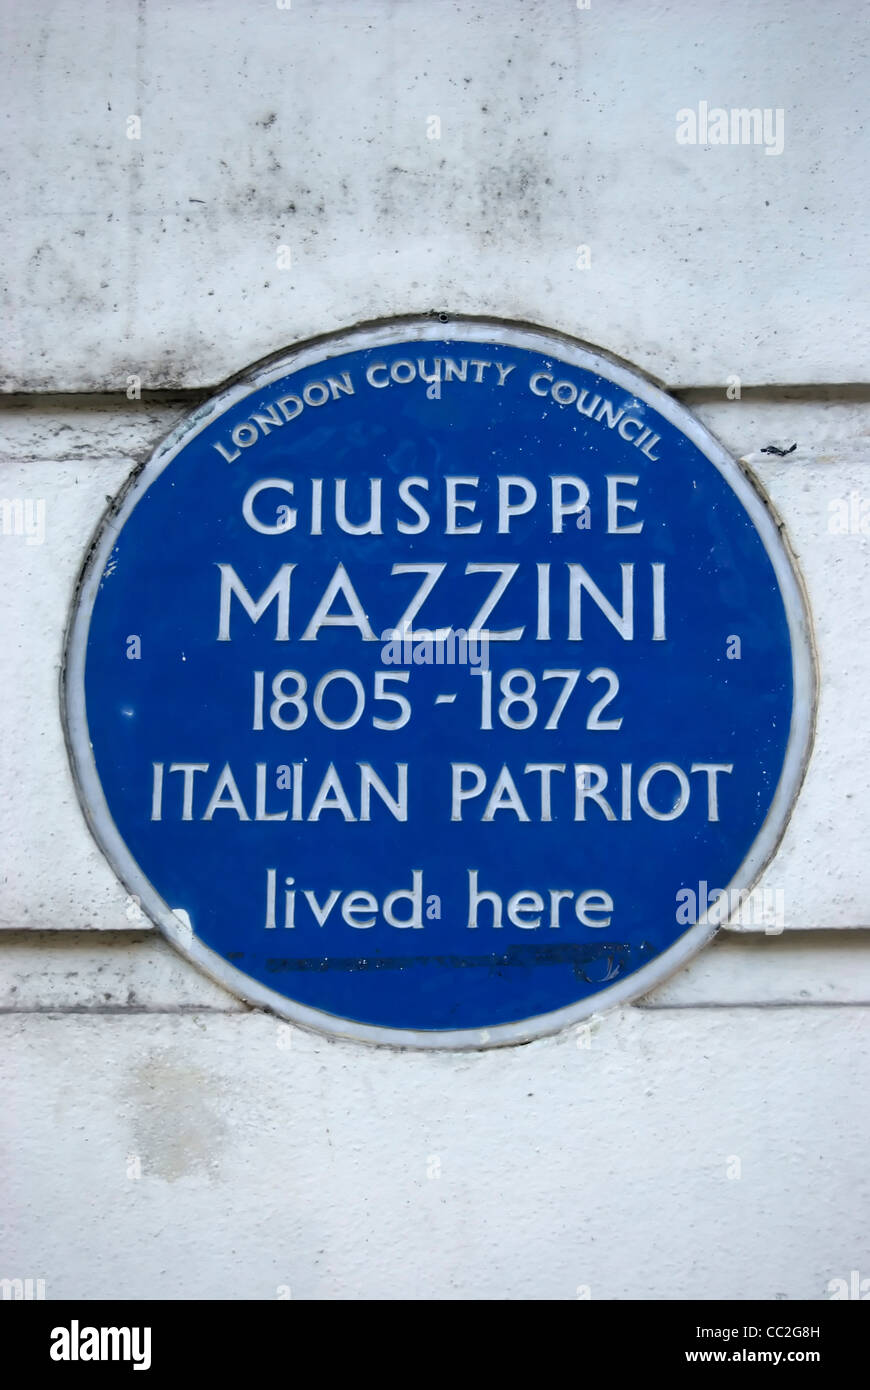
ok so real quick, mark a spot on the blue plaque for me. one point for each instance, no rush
(439, 683)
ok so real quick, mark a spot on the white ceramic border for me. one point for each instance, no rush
(414, 329)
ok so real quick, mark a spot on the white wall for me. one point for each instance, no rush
(267, 1156)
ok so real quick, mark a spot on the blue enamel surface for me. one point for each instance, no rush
(189, 697)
